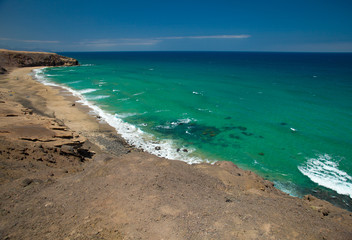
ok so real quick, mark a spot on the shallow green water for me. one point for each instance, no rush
(286, 116)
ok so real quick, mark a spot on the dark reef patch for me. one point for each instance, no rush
(188, 131)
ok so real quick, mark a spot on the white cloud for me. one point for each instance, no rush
(105, 43)
(38, 41)
(207, 37)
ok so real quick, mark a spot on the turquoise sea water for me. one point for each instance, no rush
(286, 116)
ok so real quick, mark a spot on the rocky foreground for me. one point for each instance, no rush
(65, 175)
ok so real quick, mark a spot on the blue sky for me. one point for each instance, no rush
(252, 25)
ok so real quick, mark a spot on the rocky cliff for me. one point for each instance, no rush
(11, 59)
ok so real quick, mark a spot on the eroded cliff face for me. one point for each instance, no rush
(11, 59)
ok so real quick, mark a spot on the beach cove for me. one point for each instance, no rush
(106, 189)
(284, 116)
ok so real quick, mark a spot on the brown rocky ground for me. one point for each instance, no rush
(52, 186)
(11, 59)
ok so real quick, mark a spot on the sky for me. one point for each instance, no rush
(182, 25)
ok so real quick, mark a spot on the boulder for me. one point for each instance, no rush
(2, 70)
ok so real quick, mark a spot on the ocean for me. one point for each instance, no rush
(285, 116)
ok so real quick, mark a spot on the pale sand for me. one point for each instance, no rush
(122, 193)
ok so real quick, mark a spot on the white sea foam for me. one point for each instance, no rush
(125, 115)
(88, 90)
(97, 97)
(86, 65)
(204, 110)
(53, 75)
(287, 187)
(197, 93)
(184, 121)
(74, 82)
(101, 83)
(132, 134)
(172, 125)
(158, 111)
(39, 75)
(123, 99)
(165, 127)
(136, 94)
(324, 171)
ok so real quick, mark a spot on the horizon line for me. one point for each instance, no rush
(264, 51)
(244, 51)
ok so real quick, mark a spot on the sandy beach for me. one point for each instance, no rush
(67, 175)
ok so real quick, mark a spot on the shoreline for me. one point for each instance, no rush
(124, 193)
(72, 112)
(132, 135)
(165, 148)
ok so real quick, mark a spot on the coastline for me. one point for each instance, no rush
(124, 193)
(78, 116)
(130, 134)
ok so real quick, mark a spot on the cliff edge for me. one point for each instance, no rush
(10, 59)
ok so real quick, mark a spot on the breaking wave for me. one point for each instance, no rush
(324, 170)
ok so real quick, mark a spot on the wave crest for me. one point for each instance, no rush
(324, 171)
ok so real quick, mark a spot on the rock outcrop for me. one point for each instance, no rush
(11, 59)
(2, 70)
